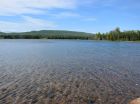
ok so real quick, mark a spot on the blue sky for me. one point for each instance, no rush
(76, 15)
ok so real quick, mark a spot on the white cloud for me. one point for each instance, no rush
(74, 15)
(27, 24)
(20, 8)
(65, 14)
(13, 7)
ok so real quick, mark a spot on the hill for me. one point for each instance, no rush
(46, 34)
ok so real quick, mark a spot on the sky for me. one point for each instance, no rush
(75, 15)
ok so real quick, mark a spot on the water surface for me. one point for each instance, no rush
(69, 72)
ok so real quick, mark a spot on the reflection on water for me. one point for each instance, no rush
(68, 72)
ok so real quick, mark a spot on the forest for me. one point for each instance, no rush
(46, 34)
(114, 35)
(117, 35)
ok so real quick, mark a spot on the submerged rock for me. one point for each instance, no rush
(136, 101)
(90, 101)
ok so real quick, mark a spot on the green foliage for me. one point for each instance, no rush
(114, 35)
(117, 35)
(46, 34)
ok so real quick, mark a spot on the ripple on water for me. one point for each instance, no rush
(68, 72)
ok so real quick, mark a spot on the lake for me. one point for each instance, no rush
(69, 72)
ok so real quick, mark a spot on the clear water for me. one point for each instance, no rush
(69, 72)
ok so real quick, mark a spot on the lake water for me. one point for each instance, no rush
(69, 72)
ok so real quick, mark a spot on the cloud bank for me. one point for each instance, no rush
(15, 7)
(27, 24)
(23, 8)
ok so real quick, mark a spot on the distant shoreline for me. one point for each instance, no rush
(77, 40)
(114, 35)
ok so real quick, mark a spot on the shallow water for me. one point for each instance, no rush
(69, 72)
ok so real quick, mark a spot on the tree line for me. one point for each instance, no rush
(45, 34)
(117, 35)
(114, 35)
